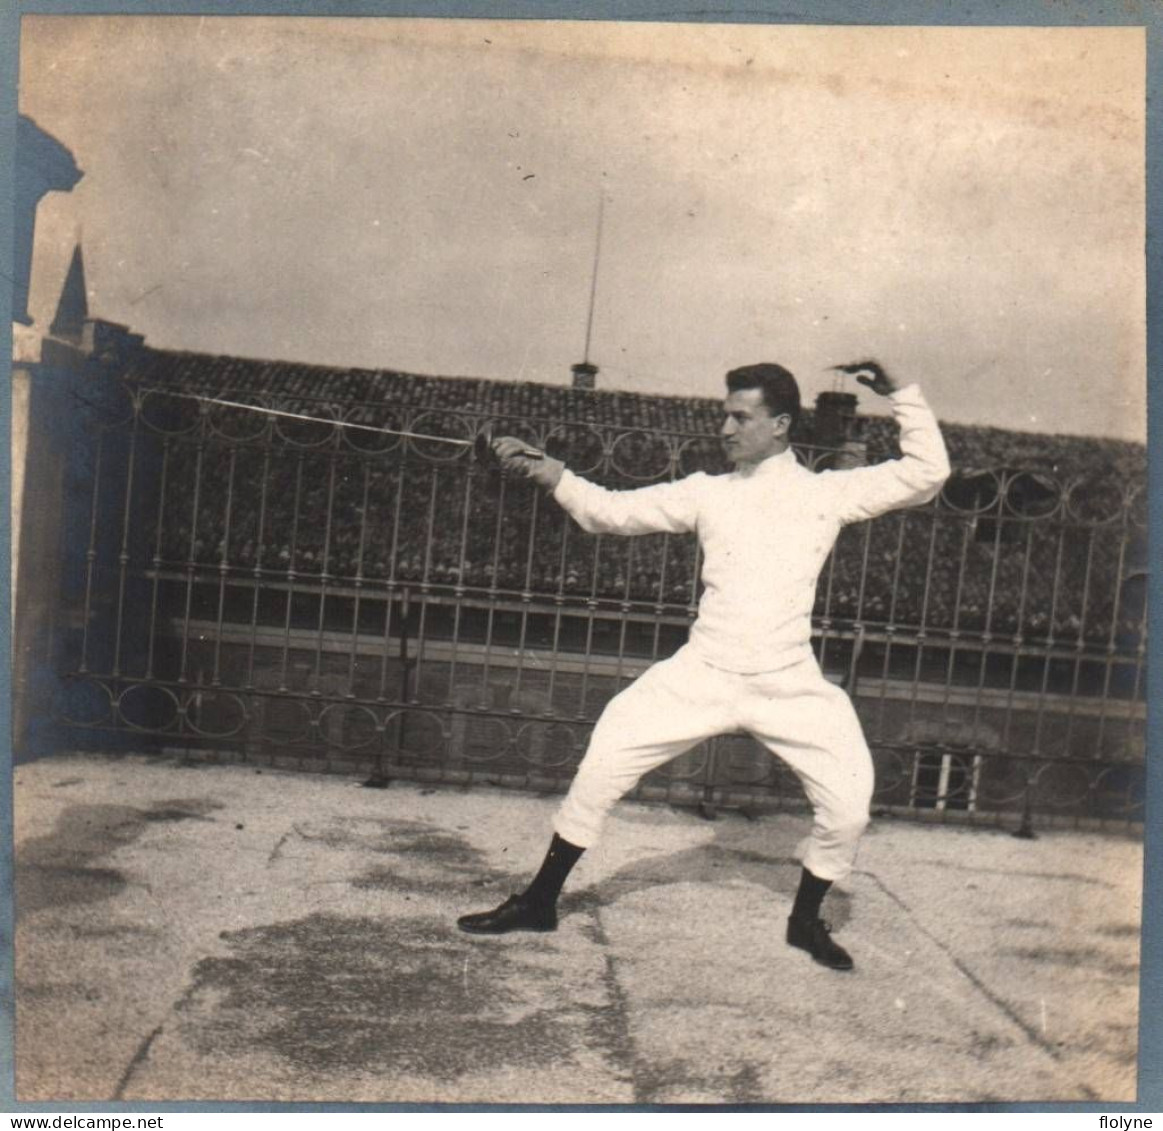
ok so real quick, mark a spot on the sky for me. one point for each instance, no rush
(965, 205)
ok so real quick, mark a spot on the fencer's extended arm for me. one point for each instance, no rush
(913, 479)
(663, 508)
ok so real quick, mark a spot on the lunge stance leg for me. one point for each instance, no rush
(811, 725)
(665, 712)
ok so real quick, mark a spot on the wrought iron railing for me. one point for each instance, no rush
(301, 591)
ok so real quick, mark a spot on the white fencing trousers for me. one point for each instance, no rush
(795, 712)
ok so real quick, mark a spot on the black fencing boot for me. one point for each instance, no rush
(815, 936)
(515, 914)
(535, 909)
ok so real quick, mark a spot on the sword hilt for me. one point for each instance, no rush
(482, 448)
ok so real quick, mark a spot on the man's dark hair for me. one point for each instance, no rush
(781, 394)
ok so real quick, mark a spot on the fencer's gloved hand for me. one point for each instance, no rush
(544, 469)
(872, 375)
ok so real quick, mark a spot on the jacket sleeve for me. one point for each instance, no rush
(906, 482)
(663, 508)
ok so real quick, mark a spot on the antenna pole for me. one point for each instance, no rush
(594, 279)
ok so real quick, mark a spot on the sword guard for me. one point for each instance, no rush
(482, 447)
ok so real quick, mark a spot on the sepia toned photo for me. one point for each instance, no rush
(578, 562)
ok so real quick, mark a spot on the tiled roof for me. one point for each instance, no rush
(380, 393)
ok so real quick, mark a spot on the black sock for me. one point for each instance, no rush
(810, 896)
(559, 860)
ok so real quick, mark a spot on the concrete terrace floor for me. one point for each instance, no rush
(210, 932)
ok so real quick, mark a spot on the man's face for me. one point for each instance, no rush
(750, 433)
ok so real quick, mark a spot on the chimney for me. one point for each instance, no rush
(584, 375)
(835, 419)
(852, 453)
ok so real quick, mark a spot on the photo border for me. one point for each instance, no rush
(948, 13)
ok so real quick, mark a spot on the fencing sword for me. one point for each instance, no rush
(481, 445)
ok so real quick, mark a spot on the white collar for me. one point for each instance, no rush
(773, 465)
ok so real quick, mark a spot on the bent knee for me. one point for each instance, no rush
(603, 781)
(848, 827)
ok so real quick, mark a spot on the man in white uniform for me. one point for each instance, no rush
(765, 530)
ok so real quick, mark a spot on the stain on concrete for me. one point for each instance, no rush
(390, 880)
(718, 863)
(586, 902)
(393, 838)
(63, 867)
(1014, 873)
(1120, 1041)
(984, 1046)
(58, 992)
(115, 931)
(1121, 971)
(184, 808)
(612, 1023)
(431, 859)
(59, 868)
(181, 809)
(138, 1059)
(1121, 931)
(38, 886)
(677, 1080)
(1060, 956)
(331, 993)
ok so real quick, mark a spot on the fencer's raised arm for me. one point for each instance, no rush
(913, 479)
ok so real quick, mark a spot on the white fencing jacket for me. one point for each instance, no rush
(765, 533)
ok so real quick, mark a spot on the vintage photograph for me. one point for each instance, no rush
(578, 562)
